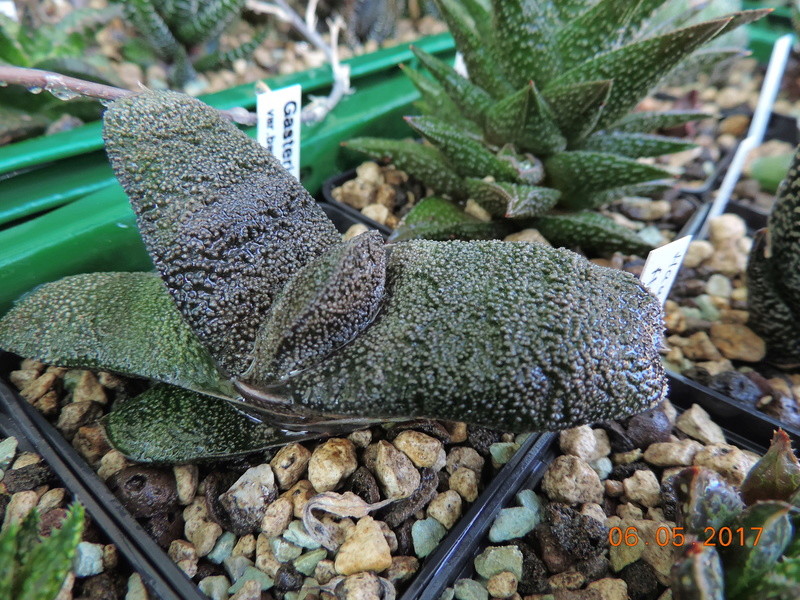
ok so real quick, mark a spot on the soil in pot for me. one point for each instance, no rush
(565, 537)
(237, 528)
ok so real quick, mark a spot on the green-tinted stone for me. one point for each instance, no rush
(513, 523)
(8, 448)
(468, 589)
(602, 466)
(252, 574)
(503, 451)
(236, 566)
(529, 499)
(426, 535)
(708, 311)
(306, 563)
(223, 548)
(284, 550)
(496, 559)
(215, 587)
(296, 534)
(448, 594)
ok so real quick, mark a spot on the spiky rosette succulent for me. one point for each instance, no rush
(260, 306)
(544, 123)
(773, 275)
(747, 539)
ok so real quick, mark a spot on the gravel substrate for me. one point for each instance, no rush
(28, 483)
(238, 529)
(555, 544)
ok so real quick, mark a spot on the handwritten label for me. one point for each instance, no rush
(278, 127)
(662, 265)
(9, 9)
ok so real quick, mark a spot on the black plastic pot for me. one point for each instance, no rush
(749, 431)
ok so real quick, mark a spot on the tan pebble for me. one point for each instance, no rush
(51, 499)
(581, 442)
(91, 443)
(365, 549)
(671, 454)
(465, 482)
(698, 252)
(376, 212)
(396, 474)
(246, 546)
(361, 439)
(445, 508)
(394, 176)
(568, 580)
(88, 389)
(614, 489)
(726, 227)
(476, 210)
(354, 230)
(727, 259)
(715, 367)
(729, 461)
(251, 590)
(300, 493)
(594, 510)
(739, 294)
(355, 193)
(610, 588)
(289, 463)
(458, 431)
(48, 404)
(738, 342)
(325, 571)
(675, 322)
(729, 315)
(39, 386)
(202, 534)
(627, 511)
(502, 585)
(696, 423)
(643, 487)
(110, 557)
(370, 172)
(386, 196)
(527, 235)
(626, 458)
(24, 459)
(112, 462)
(20, 505)
(422, 449)
(265, 559)
(186, 479)
(331, 463)
(735, 125)
(31, 363)
(463, 456)
(570, 480)
(700, 347)
(23, 377)
(675, 356)
(65, 593)
(277, 517)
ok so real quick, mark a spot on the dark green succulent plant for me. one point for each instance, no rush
(542, 132)
(65, 47)
(773, 275)
(748, 539)
(261, 308)
(177, 30)
(34, 568)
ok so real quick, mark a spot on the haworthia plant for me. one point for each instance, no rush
(264, 324)
(550, 93)
(749, 550)
(773, 275)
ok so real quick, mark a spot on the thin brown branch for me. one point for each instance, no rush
(66, 88)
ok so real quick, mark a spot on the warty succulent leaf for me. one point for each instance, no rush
(436, 218)
(325, 305)
(698, 574)
(120, 322)
(223, 229)
(561, 342)
(637, 67)
(591, 231)
(776, 476)
(635, 145)
(599, 171)
(782, 582)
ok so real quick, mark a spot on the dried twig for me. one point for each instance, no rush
(66, 88)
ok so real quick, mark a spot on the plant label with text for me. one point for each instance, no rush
(662, 265)
(278, 128)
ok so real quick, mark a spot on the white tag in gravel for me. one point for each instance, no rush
(662, 265)
(278, 124)
(9, 9)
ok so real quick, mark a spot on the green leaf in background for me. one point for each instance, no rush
(698, 574)
(507, 119)
(577, 106)
(591, 231)
(434, 218)
(121, 322)
(635, 145)
(647, 121)
(770, 171)
(776, 476)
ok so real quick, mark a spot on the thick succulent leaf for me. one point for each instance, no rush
(746, 564)
(541, 134)
(782, 582)
(701, 61)
(591, 231)
(525, 40)
(529, 169)
(637, 67)
(521, 337)
(743, 17)
(598, 29)
(647, 121)
(225, 58)
(598, 171)
(323, 307)
(567, 10)
(224, 226)
(481, 15)
(435, 100)
(577, 107)
(635, 145)
(423, 162)
(706, 500)
(784, 236)
(435, 218)
(472, 101)
(144, 17)
(10, 51)
(607, 196)
(639, 20)
(209, 21)
(776, 476)
(482, 67)
(506, 120)
(120, 322)
(468, 156)
(512, 200)
(770, 316)
(698, 574)
(166, 424)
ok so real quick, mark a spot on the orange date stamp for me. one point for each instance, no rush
(675, 536)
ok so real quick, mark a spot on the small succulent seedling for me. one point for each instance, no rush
(748, 544)
(34, 568)
(542, 132)
(261, 305)
(773, 275)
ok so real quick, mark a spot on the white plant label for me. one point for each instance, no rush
(662, 265)
(460, 66)
(9, 9)
(278, 126)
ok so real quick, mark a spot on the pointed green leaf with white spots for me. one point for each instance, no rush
(637, 67)
(425, 163)
(506, 120)
(471, 99)
(466, 155)
(512, 200)
(435, 218)
(577, 107)
(121, 322)
(649, 121)
(525, 40)
(635, 145)
(482, 68)
(541, 134)
(171, 425)
(435, 100)
(591, 231)
(597, 172)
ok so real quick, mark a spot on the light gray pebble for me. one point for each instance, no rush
(252, 574)
(496, 559)
(468, 589)
(284, 550)
(708, 311)
(296, 534)
(719, 285)
(215, 587)
(88, 559)
(8, 448)
(236, 566)
(136, 589)
(602, 466)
